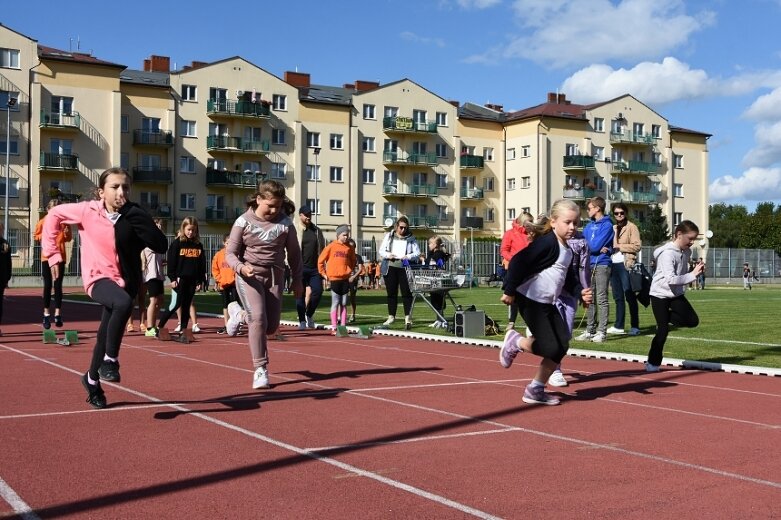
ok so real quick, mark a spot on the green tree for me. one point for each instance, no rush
(654, 230)
(727, 223)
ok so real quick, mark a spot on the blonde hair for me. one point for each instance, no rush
(543, 224)
(189, 221)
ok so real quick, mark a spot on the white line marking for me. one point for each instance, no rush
(19, 506)
(413, 439)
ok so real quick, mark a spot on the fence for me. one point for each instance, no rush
(478, 257)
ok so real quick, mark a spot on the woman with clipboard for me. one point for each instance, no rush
(397, 250)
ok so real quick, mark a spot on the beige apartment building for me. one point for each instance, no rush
(198, 139)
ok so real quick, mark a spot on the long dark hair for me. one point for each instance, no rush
(104, 177)
(622, 207)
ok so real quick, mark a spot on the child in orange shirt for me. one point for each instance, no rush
(337, 265)
(64, 235)
(224, 280)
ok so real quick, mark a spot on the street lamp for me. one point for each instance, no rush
(316, 175)
(9, 104)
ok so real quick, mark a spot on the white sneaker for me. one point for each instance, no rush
(310, 322)
(599, 337)
(557, 379)
(652, 368)
(302, 325)
(443, 325)
(178, 327)
(260, 379)
(586, 336)
(389, 321)
(634, 331)
(196, 328)
(435, 325)
(614, 330)
(234, 318)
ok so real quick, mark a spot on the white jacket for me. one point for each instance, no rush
(672, 271)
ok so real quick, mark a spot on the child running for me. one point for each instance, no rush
(536, 276)
(187, 271)
(256, 250)
(114, 231)
(224, 280)
(668, 288)
(337, 265)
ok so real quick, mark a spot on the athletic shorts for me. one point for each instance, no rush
(154, 287)
(340, 287)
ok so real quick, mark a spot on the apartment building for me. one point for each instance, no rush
(199, 138)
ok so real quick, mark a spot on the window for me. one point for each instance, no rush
(526, 209)
(391, 111)
(336, 142)
(441, 118)
(314, 205)
(124, 160)
(124, 123)
(599, 124)
(656, 131)
(312, 172)
(336, 174)
(526, 151)
(61, 105)
(488, 184)
(189, 93)
(638, 129)
(467, 150)
(510, 184)
(13, 187)
(13, 146)
(511, 214)
(419, 148)
(336, 207)
(390, 210)
(367, 144)
(367, 209)
(489, 214)
(9, 58)
(390, 178)
(277, 136)
(369, 112)
(442, 214)
(61, 146)
(419, 179)
(278, 170)
(526, 182)
(441, 181)
(187, 164)
(677, 218)
(150, 124)
(367, 176)
(215, 201)
(677, 190)
(598, 152)
(187, 128)
(218, 94)
(187, 201)
(313, 139)
(571, 149)
(441, 150)
(510, 154)
(677, 161)
(279, 102)
(252, 134)
(488, 154)
(250, 166)
(657, 158)
(419, 116)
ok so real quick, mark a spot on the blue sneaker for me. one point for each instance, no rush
(47, 321)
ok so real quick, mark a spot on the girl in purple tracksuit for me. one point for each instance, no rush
(258, 243)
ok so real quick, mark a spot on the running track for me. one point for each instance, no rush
(382, 428)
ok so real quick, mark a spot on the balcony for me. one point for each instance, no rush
(233, 179)
(236, 145)
(222, 215)
(155, 139)
(472, 193)
(637, 197)
(634, 168)
(415, 190)
(393, 124)
(578, 162)
(244, 109)
(471, 162)
(400, 158)
(62, 198)
(55, 120)
(423, 221)
(59, 162)
(152, 174)
(573, 193)
(157, 210)
(628, 137)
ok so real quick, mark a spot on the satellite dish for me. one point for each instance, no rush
(709, 234)
(389, 222)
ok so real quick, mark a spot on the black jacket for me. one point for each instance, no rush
(186, 259)
(535, 258)
(5, 262)
(134, 231)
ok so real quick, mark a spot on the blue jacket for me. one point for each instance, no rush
(599, 234)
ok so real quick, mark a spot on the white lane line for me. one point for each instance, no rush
(19, 506)
(413, 439)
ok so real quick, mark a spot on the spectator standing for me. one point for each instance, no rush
(626, 245)
(397, 249)
(312, 244)
(514, 240)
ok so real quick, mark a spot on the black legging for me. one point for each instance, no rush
(677, 311)
(46, 272)
(397, 277)
(117, 306)
(182, 297)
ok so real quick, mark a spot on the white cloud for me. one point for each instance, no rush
(768, 146)
(425, 40)
(766, 107)
(575, 32)
(477, 4)
(754, 184)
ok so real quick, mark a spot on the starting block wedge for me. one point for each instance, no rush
(364, 332)
(72, 337)
(49, 336)
(341, 331)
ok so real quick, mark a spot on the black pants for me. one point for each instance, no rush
(677, 311)
(117, 306)
(547, 325)
(182, 297)
(2, 297)
(46, 272)
(395, 279)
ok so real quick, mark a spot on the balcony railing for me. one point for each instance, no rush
(236, 144)
(628, 137)
(153, 174)
(229, 107)
(570, 192)
(471, 161)
(157, 210)
(58, 120)
(222, 214)
(415, 190)
(636, 197)
(150, 138)
(635, 167)
(578, 162)
(55, 161)
(472, 193)
(428, 159)
(407, 124)
(234, 179)
(423, 221)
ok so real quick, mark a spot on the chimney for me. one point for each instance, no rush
(361, 86)
(552, 97)
(562, 99)
(455, 103)
(199, 64)
(349, 86)
(492, 106)
(297, 79)
(157, 64)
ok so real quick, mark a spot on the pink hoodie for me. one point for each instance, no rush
(96, 234)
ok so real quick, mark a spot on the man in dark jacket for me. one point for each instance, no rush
(312, 244)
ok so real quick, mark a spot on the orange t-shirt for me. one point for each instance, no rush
(63, 236)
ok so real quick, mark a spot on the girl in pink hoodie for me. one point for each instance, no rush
(113, 231)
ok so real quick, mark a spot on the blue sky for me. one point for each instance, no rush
(712, 66)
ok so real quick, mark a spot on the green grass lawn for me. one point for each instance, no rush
(736, 326)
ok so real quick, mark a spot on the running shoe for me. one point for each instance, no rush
(95, 395)
(557, 379)
(260, 378)
(47, 321)
(109, 371)
(537, 395)
(58, 320)
(509, 348)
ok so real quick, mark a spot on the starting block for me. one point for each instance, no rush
(364, 332)
(49, 336)
(71, 337)
(341, 332)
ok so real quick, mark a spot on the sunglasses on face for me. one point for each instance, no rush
(618, 213)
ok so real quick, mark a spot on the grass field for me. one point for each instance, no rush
(736, 326)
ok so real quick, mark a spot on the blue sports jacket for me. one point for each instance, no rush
(599, 234)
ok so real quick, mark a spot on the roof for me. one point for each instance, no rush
(325, 94)
(566, 110)
(140, 77)
(687, 131)
(50, 53)
(478, 112)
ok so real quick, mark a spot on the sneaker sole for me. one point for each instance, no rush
(529, 400)
(86, 386)
(110, 378)
(260, 387)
